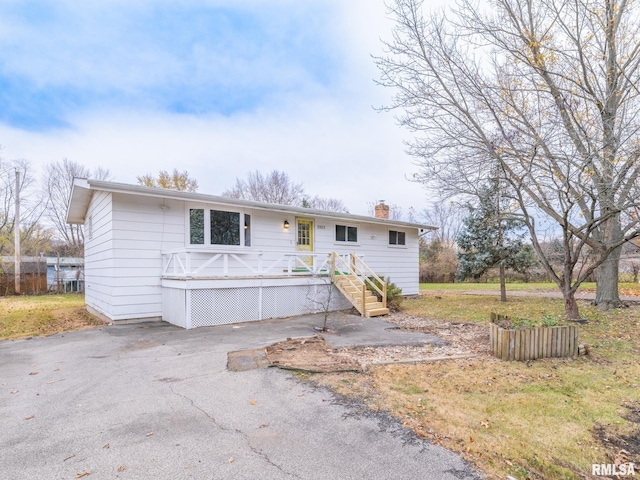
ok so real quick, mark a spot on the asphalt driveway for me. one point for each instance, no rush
(155, 401)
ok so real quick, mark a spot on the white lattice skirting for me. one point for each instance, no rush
(202, 307)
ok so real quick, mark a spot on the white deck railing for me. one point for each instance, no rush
(186, 263)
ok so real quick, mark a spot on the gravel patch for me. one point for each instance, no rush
(463, 339)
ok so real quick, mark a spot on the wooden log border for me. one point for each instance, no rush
(532, 343)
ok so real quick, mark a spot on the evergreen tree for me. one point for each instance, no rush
(492, 236)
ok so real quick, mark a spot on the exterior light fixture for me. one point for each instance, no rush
(286, 224)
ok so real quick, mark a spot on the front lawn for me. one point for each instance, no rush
(545, 419)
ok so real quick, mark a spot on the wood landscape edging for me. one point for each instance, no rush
(532, 343)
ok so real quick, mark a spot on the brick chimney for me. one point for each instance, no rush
(382, 210)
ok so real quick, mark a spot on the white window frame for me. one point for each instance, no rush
(395, 245)
(346, 242)
(207, 227)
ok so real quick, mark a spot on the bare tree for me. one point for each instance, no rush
(274, 187)
(172, 181)
(30, 202)
(57, 184)
(447, 217)
(325, 203)
(545, 92)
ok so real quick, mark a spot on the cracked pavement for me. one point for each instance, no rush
(155, 401)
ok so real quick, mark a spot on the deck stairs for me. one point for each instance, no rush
(360, 285)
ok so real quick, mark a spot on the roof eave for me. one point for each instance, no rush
(79, 201)
(205, 198)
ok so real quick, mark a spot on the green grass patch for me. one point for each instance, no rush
(27, 316)
(470, 308)
(625, 288)
(511, 287)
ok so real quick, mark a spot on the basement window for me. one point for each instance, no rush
(397, 238)
(346, 233)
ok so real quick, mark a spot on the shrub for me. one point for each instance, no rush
(394, 294)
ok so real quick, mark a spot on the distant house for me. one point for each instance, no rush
(65, 274)
(196, 260)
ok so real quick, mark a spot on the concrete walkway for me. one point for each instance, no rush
(154, 401)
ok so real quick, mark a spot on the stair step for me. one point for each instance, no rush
(354, 290)
(350, 276)
(377, 312)
(371, 302)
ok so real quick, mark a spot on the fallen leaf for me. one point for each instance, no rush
(33, 373)
(471, 439)
(29, 417)
(83, 474)
(121, 468)
(252, 402)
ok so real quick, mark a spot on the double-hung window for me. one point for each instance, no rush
(397, 238)
(346, 233)
(219, 227)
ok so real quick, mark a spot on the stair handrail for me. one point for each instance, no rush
(338, 272)
(334, 256)
(366, 277)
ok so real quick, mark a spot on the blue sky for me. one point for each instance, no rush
(216, 87)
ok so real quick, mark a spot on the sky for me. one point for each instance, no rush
(219, 88)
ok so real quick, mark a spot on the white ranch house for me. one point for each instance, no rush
(198, 260)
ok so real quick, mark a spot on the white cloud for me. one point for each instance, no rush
(348, 155)
(328, 137)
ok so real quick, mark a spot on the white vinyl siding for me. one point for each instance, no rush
(399, 265)
(143, 227)
(98, 252)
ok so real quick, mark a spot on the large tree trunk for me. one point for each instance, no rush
(607, 282)
(607, 274)
(503, 287)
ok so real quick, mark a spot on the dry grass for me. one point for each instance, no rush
(28, 316)
(546, 419)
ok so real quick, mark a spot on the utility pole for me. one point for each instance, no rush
(16, 231)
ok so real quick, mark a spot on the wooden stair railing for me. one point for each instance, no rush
(353, 279)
